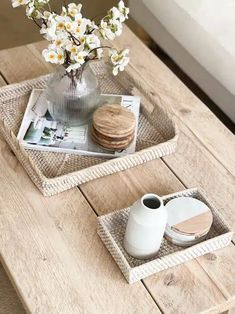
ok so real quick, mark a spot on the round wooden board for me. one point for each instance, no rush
(189, 216)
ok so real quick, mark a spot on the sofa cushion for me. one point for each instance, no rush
(206, 29)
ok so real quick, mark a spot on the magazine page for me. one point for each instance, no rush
(40, 132)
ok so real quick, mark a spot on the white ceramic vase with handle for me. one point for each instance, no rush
(145, 227)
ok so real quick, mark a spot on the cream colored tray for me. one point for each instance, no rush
(55, 172)
(111, 229)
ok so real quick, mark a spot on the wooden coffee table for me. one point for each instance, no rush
(49, 246)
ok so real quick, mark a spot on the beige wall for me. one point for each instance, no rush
(16, 29)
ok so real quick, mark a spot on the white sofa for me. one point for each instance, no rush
(199, 35)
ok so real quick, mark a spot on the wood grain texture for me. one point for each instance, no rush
(215, 263)
(113, 120)
(185, 289)
(56, 219)
(204, 142)
(197, 225)
(195, 166)
(108, 195)
(193, 156)
(113, 126)
(21, 63)
(62, 266)
(2, 82)
(173, 94)
(9, 301)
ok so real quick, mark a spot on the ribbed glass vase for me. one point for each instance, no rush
(73, 96)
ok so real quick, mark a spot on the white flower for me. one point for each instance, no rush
(80, 57)
(50, 55)
(119, 60)
(79, 28)
(32, 11)
(109, 30)
(17, 3)
(119, 13)
(46, 15)
(68, 26)
(42, 1)
(105, 31)
(60, 56)
(115, 13)
(78, 18)
(72, 49)
(91, 26)
(59, 42)
(73, 66)
(54, 56)
(49, 31)
(99, 53)
(91, 41)
(123, 10)
(117, 28)
(74, 9)
(60, 22)
(92, 45)
(73, 39)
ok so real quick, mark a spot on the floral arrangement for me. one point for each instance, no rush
(74, 39)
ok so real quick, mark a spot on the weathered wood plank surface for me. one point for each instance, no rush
(108, 195)
(2, 82)
(184, 104)
(9, 301)
(54, 255)
(126, 187)
(50, 246)
(58, 218)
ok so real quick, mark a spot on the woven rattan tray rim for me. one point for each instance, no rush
(50, 186)
(134, 274)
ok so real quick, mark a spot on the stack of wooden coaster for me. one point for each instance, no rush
(113, 127)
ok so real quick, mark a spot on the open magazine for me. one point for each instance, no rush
(40, 132)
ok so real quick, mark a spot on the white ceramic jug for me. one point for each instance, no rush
(145, 227)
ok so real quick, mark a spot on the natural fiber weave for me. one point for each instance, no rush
(55, 172)
(111, 229)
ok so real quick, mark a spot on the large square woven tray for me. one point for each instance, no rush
(56, 172)
(111, 229)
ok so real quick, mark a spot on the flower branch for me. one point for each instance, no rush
(74, 38)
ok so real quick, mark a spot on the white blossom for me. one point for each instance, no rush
(80, 57)
(111, 25)
(74, 39)
(49, 55)
(17, 3)
(60, 42)
(74, 9)
(110, 31)
(60, 56)
(123, 10)
(73, 66)
(49, 30)
(56, 56)
(72, 49)
(79, 28)
(91, 42)
(119, 60)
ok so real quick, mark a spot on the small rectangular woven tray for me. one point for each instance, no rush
(111, 229)
(56, 172)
